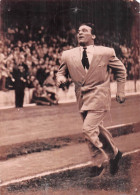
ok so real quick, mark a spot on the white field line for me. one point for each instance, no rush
(131, 152)
(120, 125)
(82, 165)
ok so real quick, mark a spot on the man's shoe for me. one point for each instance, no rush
(114, 163)
(97, 171)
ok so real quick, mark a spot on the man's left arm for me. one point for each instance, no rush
(120, 73)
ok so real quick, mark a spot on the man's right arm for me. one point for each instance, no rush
(62, 72)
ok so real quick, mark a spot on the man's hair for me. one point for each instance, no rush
(92, 26)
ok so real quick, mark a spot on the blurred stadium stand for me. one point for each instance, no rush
(37, 32)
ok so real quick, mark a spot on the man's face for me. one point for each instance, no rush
(21, 68)
(85, 36)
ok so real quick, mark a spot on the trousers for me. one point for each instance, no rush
(98, 138)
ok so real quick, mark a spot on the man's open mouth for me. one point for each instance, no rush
(81, 37)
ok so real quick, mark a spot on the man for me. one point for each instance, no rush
(20, 73)
(88, 66)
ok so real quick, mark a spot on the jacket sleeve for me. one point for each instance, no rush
(119, 70)
(62, 73)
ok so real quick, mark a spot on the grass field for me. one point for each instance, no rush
(40, 122)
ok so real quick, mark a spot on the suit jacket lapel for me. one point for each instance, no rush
(95, 59)
(77, 60)
(94, 62)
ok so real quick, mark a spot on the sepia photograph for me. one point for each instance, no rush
(69, 97)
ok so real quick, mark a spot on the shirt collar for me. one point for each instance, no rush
(88, 47)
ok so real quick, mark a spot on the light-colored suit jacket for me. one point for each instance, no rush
(92, 88)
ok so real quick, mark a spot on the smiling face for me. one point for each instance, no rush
(85, 36)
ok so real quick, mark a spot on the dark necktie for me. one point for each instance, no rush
(85, 61)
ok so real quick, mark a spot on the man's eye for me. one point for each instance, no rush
(84, 30)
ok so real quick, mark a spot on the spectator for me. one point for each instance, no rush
(41, 97)
(20, 72)
(3, 70)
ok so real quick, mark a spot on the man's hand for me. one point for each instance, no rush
(13, 80)
(61, 82)
(22, 79)
(120, 98)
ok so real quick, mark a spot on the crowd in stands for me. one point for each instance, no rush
(41, 53)
(41, 56)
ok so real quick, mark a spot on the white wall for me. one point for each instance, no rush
(8, 98)
(70, 96)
